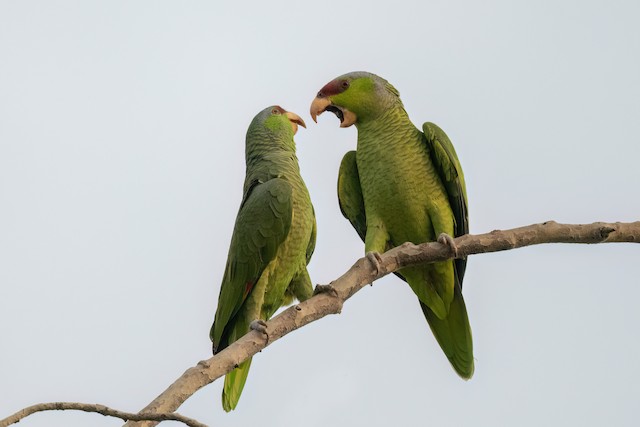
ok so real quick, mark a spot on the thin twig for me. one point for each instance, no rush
(100, 409)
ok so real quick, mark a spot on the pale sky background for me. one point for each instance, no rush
(122, 130)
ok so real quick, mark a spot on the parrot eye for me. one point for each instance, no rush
(275, 111)
(344, 84)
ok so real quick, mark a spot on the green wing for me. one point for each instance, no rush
(448, 166)
(312, 240)
(453, 333)
(350, 194)
(262, 224)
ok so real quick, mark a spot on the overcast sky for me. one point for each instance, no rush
(122, 130)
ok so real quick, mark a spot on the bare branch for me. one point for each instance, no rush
(100, 409)
(363, 273)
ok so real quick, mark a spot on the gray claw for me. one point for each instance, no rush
(260, 326)
(375, 259)
(448, 241)
(325, 289)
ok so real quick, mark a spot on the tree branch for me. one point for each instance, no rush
(363, 273)
(100, 409)
(358, 276)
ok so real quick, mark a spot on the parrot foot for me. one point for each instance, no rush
(325, 289)
(375, 259)
(260, 326)
(447, 240)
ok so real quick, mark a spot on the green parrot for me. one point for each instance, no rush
(403, 184)
(273, 240)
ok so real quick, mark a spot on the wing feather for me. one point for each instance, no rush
(448, 166)
(262, 224)
(350, 194)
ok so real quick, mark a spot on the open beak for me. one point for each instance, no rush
(295, 121)
(321, 104)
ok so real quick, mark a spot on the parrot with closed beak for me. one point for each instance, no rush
(273, 239)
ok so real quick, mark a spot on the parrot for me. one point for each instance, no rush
(404, 184)
(273, 240)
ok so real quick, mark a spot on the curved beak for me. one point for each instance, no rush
(321, 104)
(295, 121)
(318, 106)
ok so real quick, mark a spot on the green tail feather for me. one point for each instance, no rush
(454, 334)
(233, 385)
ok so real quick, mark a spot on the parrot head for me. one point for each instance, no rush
(355, 98)
(277, 120)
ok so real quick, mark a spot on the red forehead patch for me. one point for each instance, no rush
(334, 87)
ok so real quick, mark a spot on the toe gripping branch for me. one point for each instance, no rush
(260, 326)
(330, 290)
(447, 240)
(376, 260)
(326, 289)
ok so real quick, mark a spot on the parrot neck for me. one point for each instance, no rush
(267, 162)
(274, 160)
(392, 122)
(268, 149)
